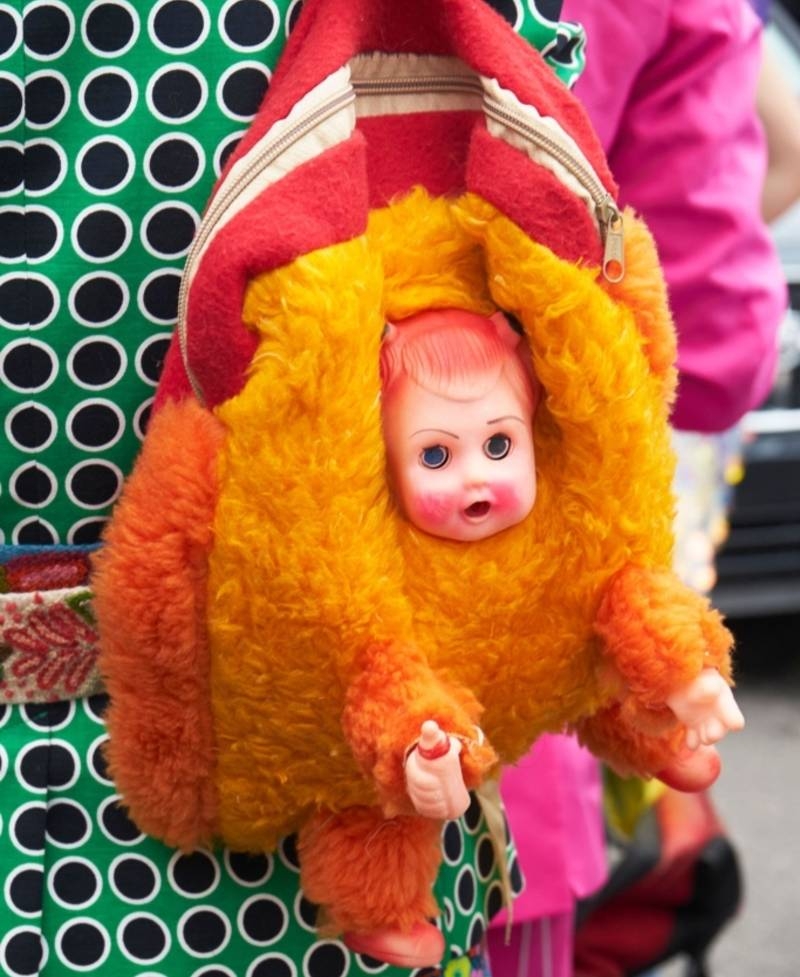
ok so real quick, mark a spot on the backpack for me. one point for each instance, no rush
(273, 631)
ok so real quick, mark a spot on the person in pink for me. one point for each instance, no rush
(670, 88)
(671, 93)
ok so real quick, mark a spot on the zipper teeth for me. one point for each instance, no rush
(220, 203)
(495, 109)
(429, 83)
(598, 192)
(606, 208)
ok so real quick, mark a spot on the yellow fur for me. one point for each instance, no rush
(312, 560)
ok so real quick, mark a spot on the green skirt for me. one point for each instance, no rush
(86, 892)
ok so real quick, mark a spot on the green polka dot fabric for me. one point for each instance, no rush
(86, 892)
(116, 119)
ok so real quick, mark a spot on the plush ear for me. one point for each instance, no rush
(150, 581)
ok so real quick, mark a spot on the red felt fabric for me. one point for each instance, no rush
(533, 198)
(327, 199)
(400, 155)
(274, 230)
(330, 32)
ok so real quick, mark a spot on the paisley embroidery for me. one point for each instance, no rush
(48, 646)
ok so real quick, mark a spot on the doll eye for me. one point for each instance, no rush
(497, 447)
(436, 456)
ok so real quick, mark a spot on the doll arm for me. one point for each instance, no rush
(657, 636)
(150, 592)
(662, 647)
(392, 694)
(434, 779)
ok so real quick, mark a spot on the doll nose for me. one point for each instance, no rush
(476, 475)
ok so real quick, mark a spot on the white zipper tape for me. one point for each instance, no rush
(554, 145)
(306, 132)
(391, 84)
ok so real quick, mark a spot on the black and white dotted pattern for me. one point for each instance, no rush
(84, 889)
(115, 120)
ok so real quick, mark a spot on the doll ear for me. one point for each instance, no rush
(509, 336)
(388, 356)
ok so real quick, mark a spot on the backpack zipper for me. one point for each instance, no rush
(266, 155)
(607, 214)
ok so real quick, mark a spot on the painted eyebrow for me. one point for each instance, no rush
(434, 430)
(506, 417)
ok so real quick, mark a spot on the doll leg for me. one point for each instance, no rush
(373, 876)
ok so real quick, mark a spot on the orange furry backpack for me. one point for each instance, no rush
(274, 633)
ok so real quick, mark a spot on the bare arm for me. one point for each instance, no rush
(779, 111)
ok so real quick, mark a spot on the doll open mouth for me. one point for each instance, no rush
(478, 510)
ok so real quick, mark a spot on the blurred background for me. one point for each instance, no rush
(758, 797)
(758, 566)
(757, 586)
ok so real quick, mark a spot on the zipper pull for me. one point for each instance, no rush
(613, 241)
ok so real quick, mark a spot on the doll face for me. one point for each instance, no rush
(463, 470)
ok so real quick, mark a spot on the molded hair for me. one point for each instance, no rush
(457, 354)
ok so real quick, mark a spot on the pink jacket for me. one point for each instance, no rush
(670, 90)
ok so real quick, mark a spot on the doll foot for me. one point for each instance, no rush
(692, 770)
(422, 946)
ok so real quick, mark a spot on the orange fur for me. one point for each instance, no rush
(643, 290)
(150, 596)
(657, 635)
(391, 867)
(640, 744)
(335, 626)
(393, 691)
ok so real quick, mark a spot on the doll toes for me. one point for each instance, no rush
(421, 946)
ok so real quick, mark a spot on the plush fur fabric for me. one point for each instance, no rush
(150, 599)
(328, 607)
(334, 626)
(388, 881)
(644, 292)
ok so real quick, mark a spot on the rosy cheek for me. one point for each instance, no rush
(505, 496)
(433, 508)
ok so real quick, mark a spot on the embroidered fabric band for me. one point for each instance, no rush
(48, 646)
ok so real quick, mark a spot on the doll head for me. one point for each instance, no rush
(459, 397)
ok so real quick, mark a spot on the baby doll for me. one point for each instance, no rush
(458, 403)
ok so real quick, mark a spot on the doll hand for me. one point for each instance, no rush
(434, 780)
(707, 709)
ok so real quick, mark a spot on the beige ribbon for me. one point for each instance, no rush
(488, 795)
